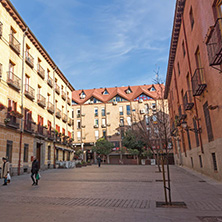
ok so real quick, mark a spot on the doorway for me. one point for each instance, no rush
(38, 153)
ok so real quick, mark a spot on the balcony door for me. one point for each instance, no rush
(11, 70)
(199, 65)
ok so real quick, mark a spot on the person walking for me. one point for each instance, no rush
(35, 171)
(99, 160)
(5, 170)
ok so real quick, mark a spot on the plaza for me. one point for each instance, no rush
(111, 193)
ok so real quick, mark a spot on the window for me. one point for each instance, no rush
(128, 109)
(96, 111)
(72, 113)
(183, 47)
(195, 130)
(103, 122)
(200, 159)
(82, 95)
(78, 113)
(58, 128)
(78, 124)
(69, 134)
(147, 108)
(78, 135)
(103, 111)
(104, 133)
(49, 152)
(120, 110)
(208, 122)
(9, 150)
(121, 121)
(63, 155)
(191, 159)
(214, 161)
(63, 131)
(153, 106)
(188, 138)
(146, 120)
(178, 67)
(97, 134)
(129, 120)
(96, 121)
(48, 73)
(57, 154)
(68, 156)
(191, 18)
(152, 89)
(26, 153)
(105, 92)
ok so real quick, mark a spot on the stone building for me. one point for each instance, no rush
(109, 112)
(35, 98)
(193, 85)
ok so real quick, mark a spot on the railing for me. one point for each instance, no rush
(12, 121)
(69, 121)
(68, 100)
(63, 95)
(64, 117)
(29, 59)
(40, 71)
(29, 92)
(50, 81)
(57, 89)
(198, 82)
(182, 114)
(41, 100)
(188, 100)
(50, 107)
(13, 80)
(40, 129)
(14, 43)
(1, 29)
(50, 134)
(28, 126)
(214, 44)
(58, 113)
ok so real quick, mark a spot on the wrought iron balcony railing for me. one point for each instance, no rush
(58, 113)
(198, 82)
(188, 100)
(29, 126)
(50, 107)
(14, 43)
(29, 92)
(40, 71)
(14, 81)
(41, 100)
(29, 59)
(12, 121)
(214, 43)
(69, 121)
(68, 100)
(64, 117)
(57, 89)
(63, 95)
(182, 115)
(50, 81)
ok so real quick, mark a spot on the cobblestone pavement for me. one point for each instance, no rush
(110, 193)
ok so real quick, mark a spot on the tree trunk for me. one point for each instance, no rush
(158, 162)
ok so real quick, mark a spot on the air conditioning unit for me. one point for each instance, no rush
(140, 100)
(114, 103)
(142, 111)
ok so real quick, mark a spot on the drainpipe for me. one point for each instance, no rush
(22, 83)
(54, 139)
(195, 103)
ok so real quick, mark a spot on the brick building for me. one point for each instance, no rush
(109, 112)
(35, 98)
(193, 85)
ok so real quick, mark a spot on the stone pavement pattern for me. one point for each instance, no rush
(110, 194)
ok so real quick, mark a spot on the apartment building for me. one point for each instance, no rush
(193, 85)
(109, 112)
(35, 98)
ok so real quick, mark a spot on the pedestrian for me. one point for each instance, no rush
(5, 170)
(99, 160)
(35, 171)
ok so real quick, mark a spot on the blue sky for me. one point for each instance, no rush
(103, 43)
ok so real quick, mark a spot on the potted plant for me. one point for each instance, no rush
(79, 165)
(84, 163)
(89, 163)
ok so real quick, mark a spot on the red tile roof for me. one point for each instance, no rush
(121, 91)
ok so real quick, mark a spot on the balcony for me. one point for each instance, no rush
(50, 81)
(69, 101)
(14, 81)
(14, 44)
(58, 113)
(58, 138)
(63, 95)
(214, 43)
(69, 121)
(40, 131)
(29, 59)
(29, 92)
(12, 121)
(198, 82)
(57, 89)
(29, 126)
(1, 29)
(50, 107)
(188, 100)
(50, 134)
(64, 118)
(41, 100)
(182, 115)
(40, 71)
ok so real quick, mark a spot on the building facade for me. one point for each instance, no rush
(35, 98)
(109, 112)
(193, 85)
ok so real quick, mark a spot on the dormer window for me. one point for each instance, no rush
(128, 91)
(82, 95)
(105, 92)
(152, 89)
